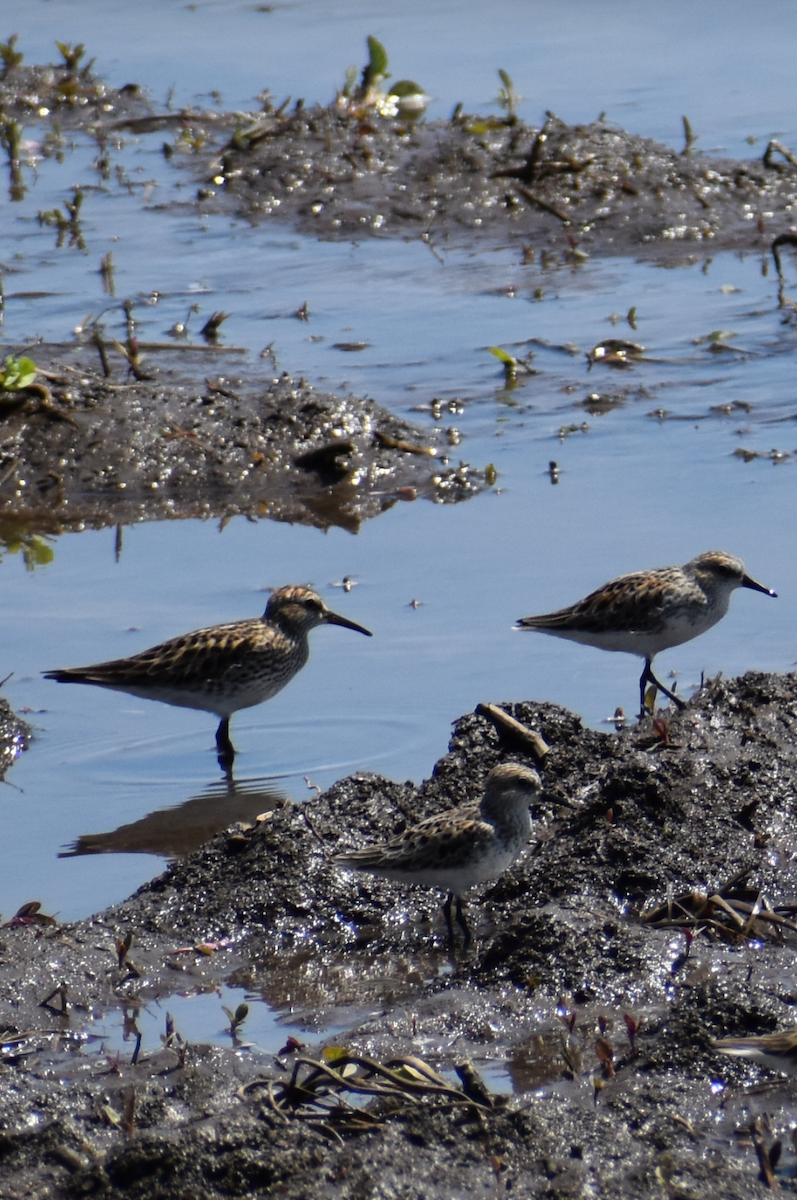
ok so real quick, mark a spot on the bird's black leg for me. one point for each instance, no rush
(447, 915)
(225, 751)
(463, 924)
(647, 676)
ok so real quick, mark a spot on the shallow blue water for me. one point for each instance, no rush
(727, 65)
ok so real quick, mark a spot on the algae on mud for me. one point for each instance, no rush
(562, 971)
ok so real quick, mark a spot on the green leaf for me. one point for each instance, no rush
(333, 1054)
(17, 373)
(506, 80)
(37, 553)
(502, 356)
(26, 372)
(405, 87)
(377, 65)
(720, 335)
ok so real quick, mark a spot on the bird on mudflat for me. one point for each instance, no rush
(649, 611)
(459, 848)
(224, 667)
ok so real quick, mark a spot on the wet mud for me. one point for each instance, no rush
(84, 450)
(652, 911)
(103, 438)
(359, 166)
(343, 172)
(69, 93)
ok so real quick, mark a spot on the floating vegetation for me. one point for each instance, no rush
(775, 456)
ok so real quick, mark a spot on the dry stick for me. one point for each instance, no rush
(100, 345)
(718, 902)
(543, 204)
(514, 731)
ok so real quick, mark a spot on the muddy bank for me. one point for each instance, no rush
(69, 92)
(343, 172)
(580, 999)
(363, 166)
(79, 449)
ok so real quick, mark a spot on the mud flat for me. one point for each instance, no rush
(346, 172)
(359, 166)
(79, 449)
(652, 912)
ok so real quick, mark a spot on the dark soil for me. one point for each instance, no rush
(564, 964)
(85, 450)
(346, 172)
(109, 441)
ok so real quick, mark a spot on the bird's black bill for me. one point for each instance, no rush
(334, 619)
(757, 587)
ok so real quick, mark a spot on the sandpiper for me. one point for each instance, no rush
(649, 611)
(778, 1051)
(457, 849)
(224, 667)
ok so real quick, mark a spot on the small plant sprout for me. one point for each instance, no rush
(16, 374)
(66, 224)
(375, 69)
(405, 97)
(632, 1026)
(72, 56)
(10, 56)
(513, 367)
(507, 97)
(11, 141)
(507, 361)
(236, 1018)
(689, 137)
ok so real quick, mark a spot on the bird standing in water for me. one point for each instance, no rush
(224, 667)
(649, 611)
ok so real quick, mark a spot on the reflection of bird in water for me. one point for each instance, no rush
(224, 667)
(778, 1051)
(457, 849)
(177, 830)
(649, 611)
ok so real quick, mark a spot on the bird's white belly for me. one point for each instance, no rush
(456, 879)
(646, 643)
(223, 703)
